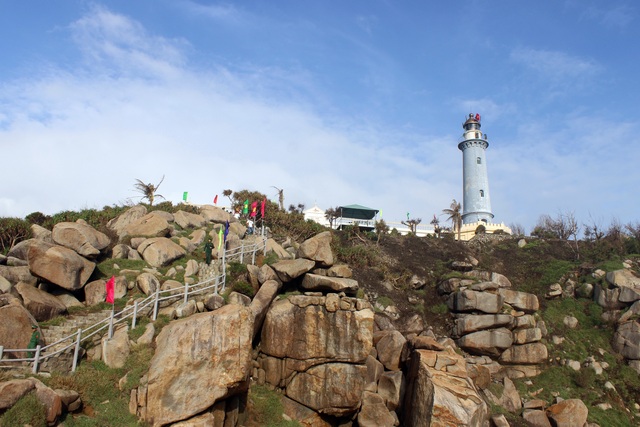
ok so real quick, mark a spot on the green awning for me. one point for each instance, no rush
(357, 212)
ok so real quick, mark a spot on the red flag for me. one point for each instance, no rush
(477, 117)
(254, 208)
(215, 200)
(111, 290)
(262, 208)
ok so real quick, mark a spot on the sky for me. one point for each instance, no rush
(334, 102)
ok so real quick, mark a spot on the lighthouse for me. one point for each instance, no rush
(476, 203)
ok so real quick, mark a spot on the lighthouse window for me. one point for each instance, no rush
(477, 134)
(481, 193)
(479, 160)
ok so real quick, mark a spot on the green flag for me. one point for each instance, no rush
(220, 240)
(407, 216)
(184, 196)
(245, 208)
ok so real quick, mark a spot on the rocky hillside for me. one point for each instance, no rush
(344, 328)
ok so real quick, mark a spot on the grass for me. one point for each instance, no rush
(441, 308)
(27, 411)
(267, 408)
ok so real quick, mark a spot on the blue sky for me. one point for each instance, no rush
(335, 102)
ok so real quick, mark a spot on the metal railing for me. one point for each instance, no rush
(147, 306)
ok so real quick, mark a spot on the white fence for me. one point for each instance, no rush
(149, 305)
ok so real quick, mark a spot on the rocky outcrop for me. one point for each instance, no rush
(186, 376)
(80, 237)
(42, 305)
(160, 251)
(59, 265)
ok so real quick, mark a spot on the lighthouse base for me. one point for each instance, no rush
(469, 231)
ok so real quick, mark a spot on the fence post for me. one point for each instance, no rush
(242, 253)
(76, 351)
(2, 347)
(217, 283)
(135, 314)
(36, 360)
(253, 255)
(186, 291)
(155, 305)
(224, 263)
(111, 325)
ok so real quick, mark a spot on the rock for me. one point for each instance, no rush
(41, 233)
(160, 251)
(198, 362)
(147, 283)
(527, 354)
(471, 323)
(318, 249)
(213, 302)
(151, 225)
(302, 414)
(536, 418)
(215, 214)
(607, 298)
(147, 336)
(390, 348)
(439, 391)
(116, 350)
(520, 300)
(18, 274)
(274, 247)
(267, 273)
(374, 412)
(391, 389)
(191, 268)
(524, 336)
(330, 388)
(570, 322)
(59, 265)
(189, 220)
(5, 286)
(461, 266)
(511, 400)
(21, 249)
(261, 303)
(119, 223)
(316, 283)
(42, 305)
(288, 270)
(568, 413)
(500, 420)
(492, 342)
(67, 298)
(82, 238)
(626, 340)
(340, 270)
(300, 327)
(628, 283)
(475, 301)
(13, 390)
(15, 327)
(96, 292)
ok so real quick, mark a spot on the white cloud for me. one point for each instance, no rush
(558, 67)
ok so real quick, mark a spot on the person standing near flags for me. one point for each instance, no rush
(208, 247)
(34, 341)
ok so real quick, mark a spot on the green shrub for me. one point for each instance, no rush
(244, 288)
(267, 408)
(12, 231)
(385, 301)
(26, 411)
(271, 258)
(441, 308)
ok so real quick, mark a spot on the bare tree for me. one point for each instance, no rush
(280, 194)
(564, 227)
(455, 216)
(412, 224)
(517, 229)
(436, 225)
(148, 190)
(593, 230)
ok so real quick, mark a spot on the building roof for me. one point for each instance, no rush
(357, 212)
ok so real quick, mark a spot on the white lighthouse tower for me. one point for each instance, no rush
(476, 203)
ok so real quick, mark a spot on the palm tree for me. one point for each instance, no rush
(455, 216)
(148, 190)
(280, 197)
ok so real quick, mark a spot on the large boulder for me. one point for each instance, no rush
(42, 305)
(526, 354)
(120, 223)
(468, 300)
(520, 300)
(160, 251)
(440, 392)
(153, 224)
(198, 361)
(628, 283)
(330, 388)
(318, 249)
(626, 340)
(315, 282)
(116, 350)
(300, 327)
(568, 413)
(81, 237)
(465, 324)
(261, 303)
(59, 265)
(18, 274)
(189, 220)
(15, 327)
(491, 342)
(215, 214)
(289, 269)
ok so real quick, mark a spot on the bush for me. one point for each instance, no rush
(266, 408)
(244, 288)
(12, 231)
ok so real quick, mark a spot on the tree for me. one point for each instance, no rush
(436, 225)
(280, 194)
(517, 230)
(296, 209)
(227, 194)
(412, 224)
(381, 228)
(331, 214)
(148, 190)
(564, 226)
(455, 216)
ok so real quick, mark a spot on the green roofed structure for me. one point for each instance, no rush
(359, 215)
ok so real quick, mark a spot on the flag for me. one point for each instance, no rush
(220, 239)
(245, 207)
(226, 230)
(111, 285)
(215, 200)
(254, 209)
(477, 117)
(407, 216)
(380, 213)
(264, 202)
(184, 196)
